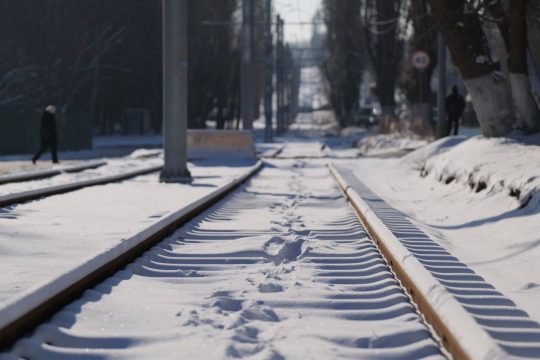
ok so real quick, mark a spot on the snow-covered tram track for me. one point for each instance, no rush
(281, 268)
(23, 313)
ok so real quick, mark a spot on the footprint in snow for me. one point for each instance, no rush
(270, 288)
(279, 250)
(226, 303)
(223, 300)
(254, 313)
(530, 286)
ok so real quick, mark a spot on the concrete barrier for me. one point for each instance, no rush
(221, 144)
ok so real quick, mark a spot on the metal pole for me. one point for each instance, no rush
(286, 85)
(268, 134)
(248, 89)
(442, 122)
(421, 85)
(279, 74)
(175, 91)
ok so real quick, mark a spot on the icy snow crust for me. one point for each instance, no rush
(280, 269)
(478, 199)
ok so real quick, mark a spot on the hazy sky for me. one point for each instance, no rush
(294, 11)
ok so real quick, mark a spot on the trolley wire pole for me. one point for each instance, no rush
(280, 75)
(247, 86)
(269, 69)
(175, 91)
(287, 67)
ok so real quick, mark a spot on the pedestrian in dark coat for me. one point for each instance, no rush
(455, 104)
(48, 135)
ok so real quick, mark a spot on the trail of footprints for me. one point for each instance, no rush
(300, 280)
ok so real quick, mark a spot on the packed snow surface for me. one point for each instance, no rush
(478, 198)
(280, 269)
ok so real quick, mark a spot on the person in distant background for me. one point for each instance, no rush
(455, 104)
(48, 135)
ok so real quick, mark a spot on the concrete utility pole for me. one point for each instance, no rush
(442, 122)
(280, 75)
(287, 61)
(269, 90)
(248, 88)
(175, 91)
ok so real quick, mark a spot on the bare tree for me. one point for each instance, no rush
(500, 99)
(533, 32)
(345, 64)
(462, 28)
(382, 28)
(104, 56)
(518, 68)
(210, 57)
(424, 35)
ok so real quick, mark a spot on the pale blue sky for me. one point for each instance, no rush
(294, 11)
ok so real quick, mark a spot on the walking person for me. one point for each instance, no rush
(48, 135)
(455, 104)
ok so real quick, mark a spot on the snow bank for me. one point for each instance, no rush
(417, 158)
(478, 199)
(490, 165)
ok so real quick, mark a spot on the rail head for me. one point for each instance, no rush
(461, 335)
(17, 198)
(47, 173)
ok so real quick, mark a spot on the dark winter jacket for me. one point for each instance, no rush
(48, 128)
(455, 104)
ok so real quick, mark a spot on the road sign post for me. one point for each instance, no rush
(420, 60)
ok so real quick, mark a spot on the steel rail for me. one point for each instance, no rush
(460, 334)
(43, 174)
(20, 197)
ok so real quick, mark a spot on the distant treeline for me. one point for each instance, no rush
(104, 56)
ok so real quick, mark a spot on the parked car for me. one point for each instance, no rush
(366, 116)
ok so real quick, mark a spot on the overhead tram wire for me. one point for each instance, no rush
(236, 23)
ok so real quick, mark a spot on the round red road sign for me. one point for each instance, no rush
(420, 59)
